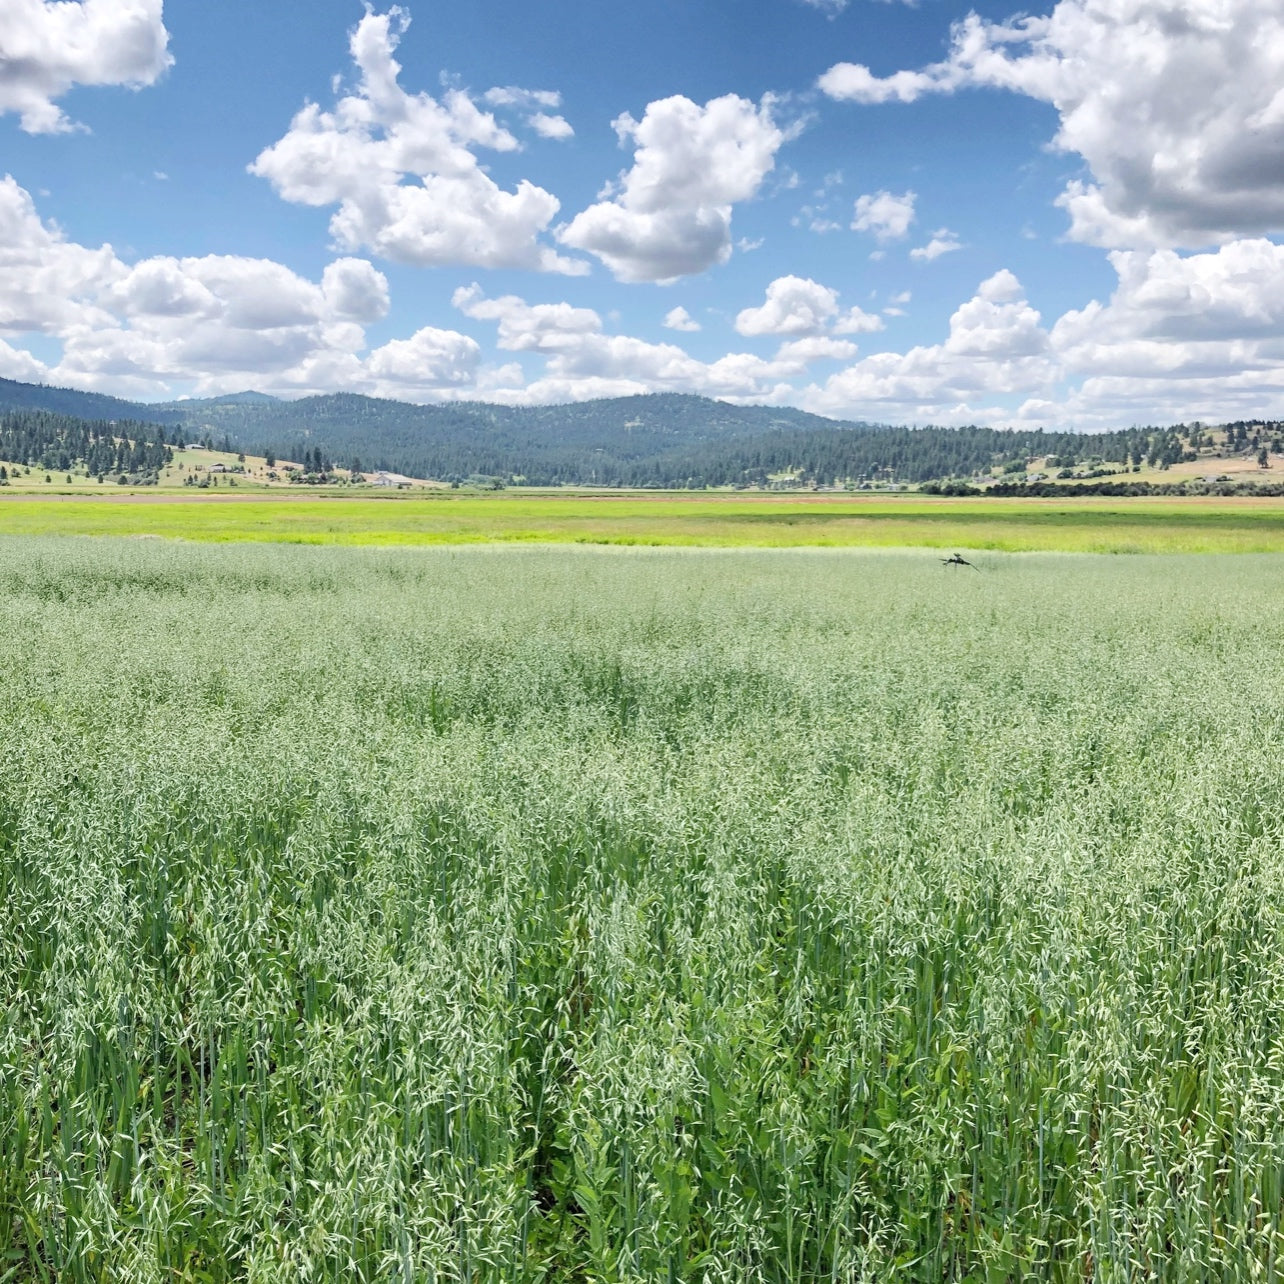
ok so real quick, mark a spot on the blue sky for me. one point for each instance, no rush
(933, 213)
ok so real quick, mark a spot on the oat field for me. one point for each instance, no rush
(536, 914)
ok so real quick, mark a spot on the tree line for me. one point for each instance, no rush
(63, 443)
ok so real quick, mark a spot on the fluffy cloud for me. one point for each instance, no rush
(355, 291)
(815, 347)
(996, 347)
(888, 217)
(217, 323)
(224, 322)
(537, 105)
(1181, 337)
(943, 242)
(671, 214)
(582, 362)
(1175, 105)
(46, 282)
(680, 319)
(799, 306)
(524, 327)
(430, 359)
(17, 364)
(47, 47)
(361, 155)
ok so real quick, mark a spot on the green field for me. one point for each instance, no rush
(525, 914)
(1139, 525)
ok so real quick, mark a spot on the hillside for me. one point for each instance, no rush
(83, 405)
(608, 442)
(662, 440)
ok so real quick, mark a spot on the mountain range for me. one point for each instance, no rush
(662, 439)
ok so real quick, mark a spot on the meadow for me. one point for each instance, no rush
(526, 914)
(715, 519)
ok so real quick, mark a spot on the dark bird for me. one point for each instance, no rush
(958, 560)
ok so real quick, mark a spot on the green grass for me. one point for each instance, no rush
(1144, 525)
(570, 915)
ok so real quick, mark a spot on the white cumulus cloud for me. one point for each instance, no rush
(996, 347)
(1175, 105)
(797, 305)
(943, 242)
(680, 319)
(47, 46)
(671, 213)
(1182, 337)
(581, 361)
(887, 216)
(215, 323)
(430, 359)
(402, 168)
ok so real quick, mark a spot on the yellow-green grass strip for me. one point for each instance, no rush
(1139, 525)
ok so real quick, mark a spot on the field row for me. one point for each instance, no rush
(1138, 525)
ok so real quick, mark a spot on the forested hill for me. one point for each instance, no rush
(660, 440)
(596, 441)
(59, 443)
(83, 405)
(608, 442)
(839, 454)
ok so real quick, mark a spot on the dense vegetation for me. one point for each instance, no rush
(599, 442)
(568, 915)
(48, 440)
(835, 455)
(664, 440)
(82, 405)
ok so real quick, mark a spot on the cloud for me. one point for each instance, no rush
(47, 283)
(403, 172)
(546, 126)
(896, 304)
(582, 362)
(523, 327)
(996, 347)
(799, 306)
(219, 323)
(888, 217)
(430, 359)
(17, 364)
(46, 48)
(1182, 337)
(680, 319)
(670, 214)
(355, 291)
(1175, 105)
(215, 323)
(222, 322)
(794, 305)
(816, 347)
(537, 105)
(943, 242)
(854, 82)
